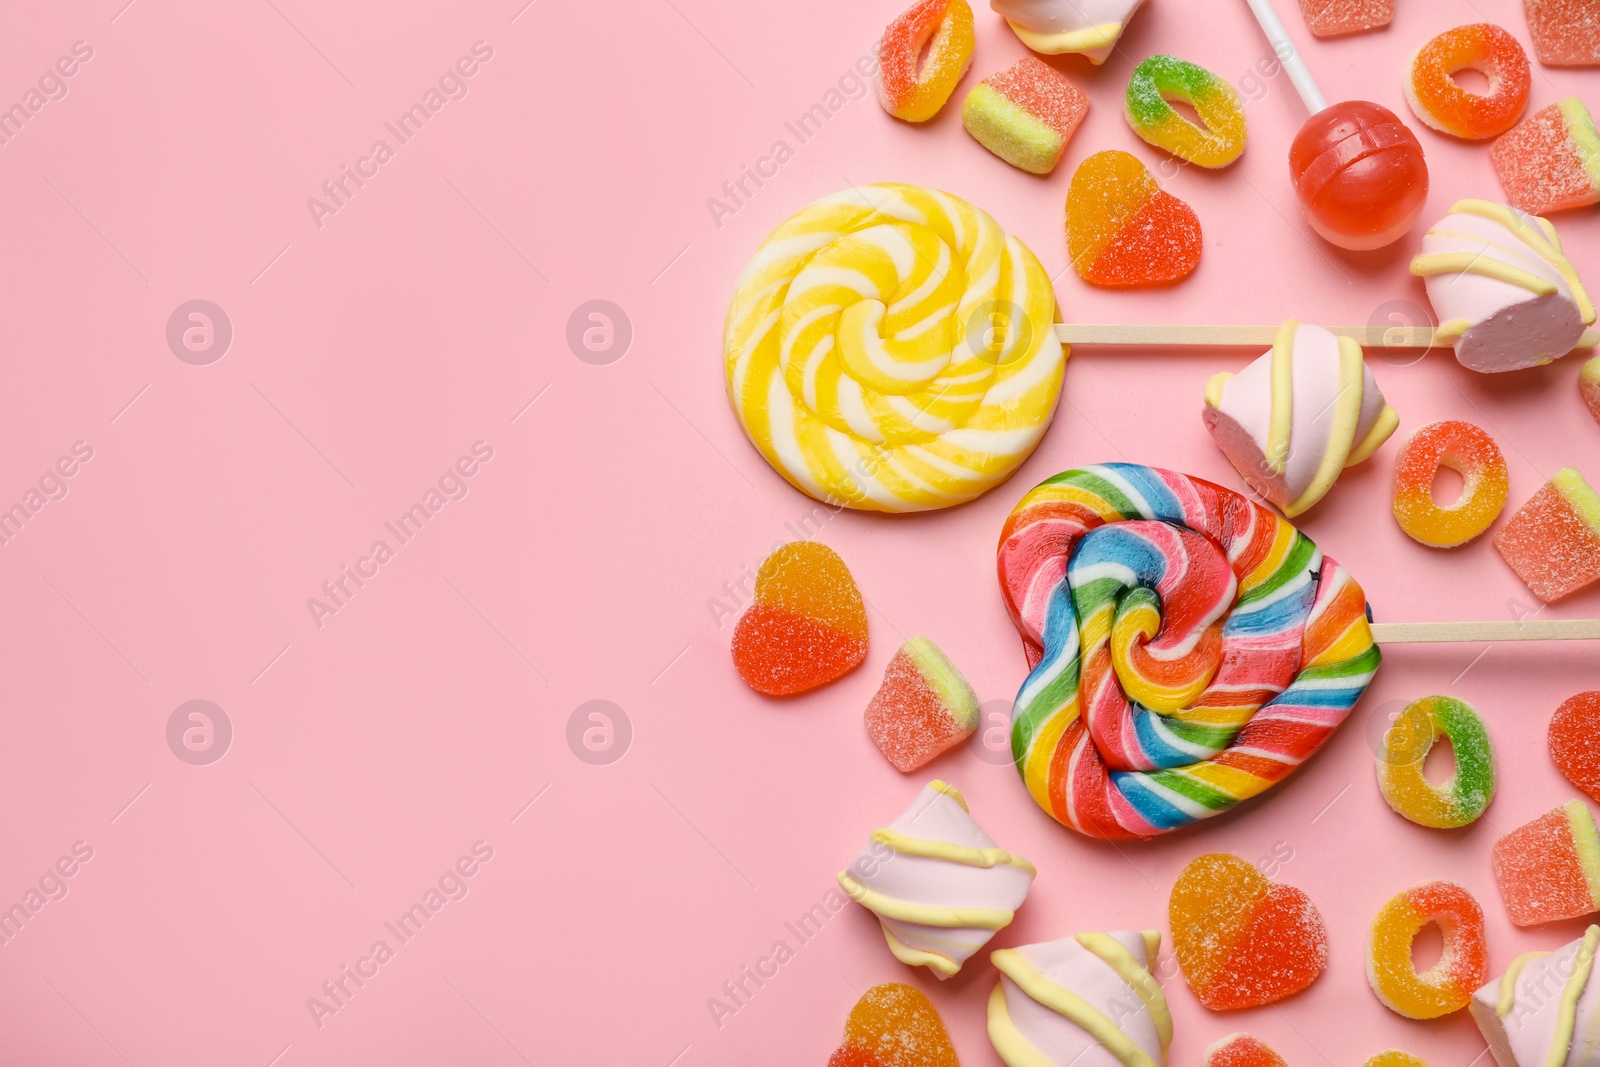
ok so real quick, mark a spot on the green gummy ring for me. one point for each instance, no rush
(1459, 799)
(1161, 77)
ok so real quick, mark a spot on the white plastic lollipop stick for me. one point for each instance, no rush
(1288, 55)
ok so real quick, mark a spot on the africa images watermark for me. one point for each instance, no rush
(52, 885)
(452, 85)
(452, 885)
(51, 486)
(852, 85)
(51, 86)
(738, 591)
(337, 592)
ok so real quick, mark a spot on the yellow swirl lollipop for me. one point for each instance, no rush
(891, 348)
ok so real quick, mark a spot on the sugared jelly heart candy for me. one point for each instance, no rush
(807, 625)
(923, 707)
(1241, 1050)
(1124, 230)
(1241, 940)
(894, 1025)
(1575, 741)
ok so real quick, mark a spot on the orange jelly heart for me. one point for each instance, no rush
(894, 1025)
(1123, 230)
(1241, 940)
(807, 625)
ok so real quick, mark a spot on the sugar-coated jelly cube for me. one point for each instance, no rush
(1550, 869)
(1553, 541)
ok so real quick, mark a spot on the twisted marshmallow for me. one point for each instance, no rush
(1502, 288)
(890, 348)
(1056, 26)
(1295, 418)
(1088, 1000)
(939, 885)
(1545, 1010)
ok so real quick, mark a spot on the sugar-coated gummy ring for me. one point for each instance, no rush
(1471, 453)
(1463, 967)
(1442, 103)
(891, 348)
(1189, 648)
(1160, 78)
(923, 54)
(1462, 797)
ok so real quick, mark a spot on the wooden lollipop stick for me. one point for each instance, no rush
(1160, 336)
(1392, 633)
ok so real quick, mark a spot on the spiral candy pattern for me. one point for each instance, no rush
(890, 348)
(1189, 648)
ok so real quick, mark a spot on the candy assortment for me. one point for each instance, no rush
(890, 348)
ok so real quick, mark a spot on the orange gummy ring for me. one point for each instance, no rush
(1448, 985)
(1469, 452)
(1442, 103)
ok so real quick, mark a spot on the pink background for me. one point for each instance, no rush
(425, 315)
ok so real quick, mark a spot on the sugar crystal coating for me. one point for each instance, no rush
(1566, 33)
(807, 625)
(1574, 741)
(894, 1025)
(923, 54)
(1441, 102)
(1123, 230)
(1471, 453)
(1241, 1050)
(1459, 799)
(1241, 940)
(1221, 137)
(1549, 869)
(1553, 541)
(1462, 967)
(1550, 160)
(924, 706)
(1333, 18)
(1025, 114)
